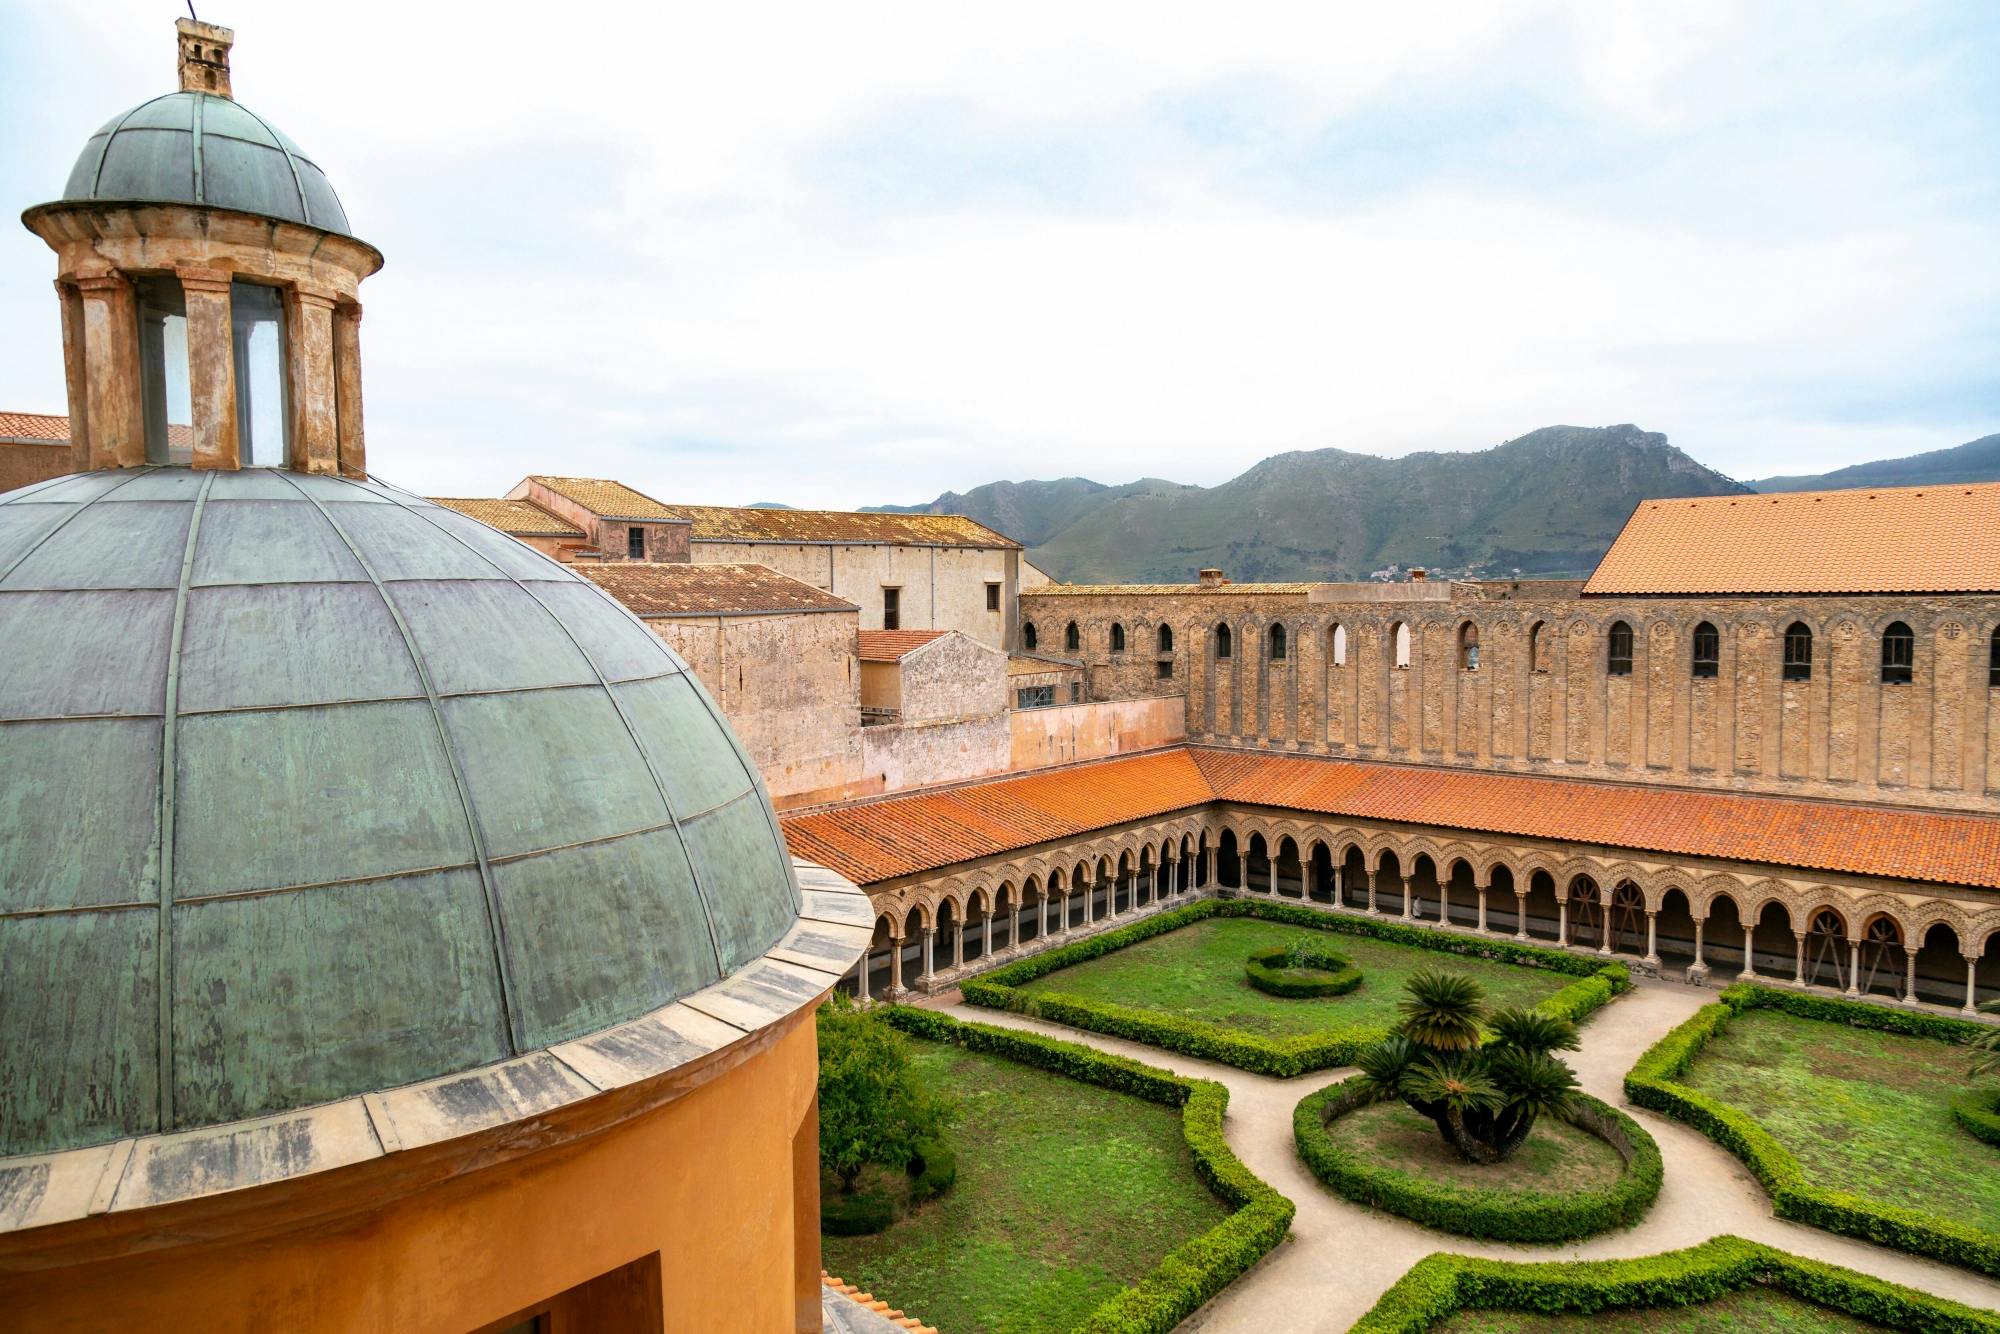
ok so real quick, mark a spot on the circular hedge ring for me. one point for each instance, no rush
(1269, 971)
(1495, 1215)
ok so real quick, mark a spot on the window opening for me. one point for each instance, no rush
(1618, 650)
(1899, 654)
(892, 608)
(1798, 652)
(1707, 652)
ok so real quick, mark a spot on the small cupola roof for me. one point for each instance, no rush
(201, 146)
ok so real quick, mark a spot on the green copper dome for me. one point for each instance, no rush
(311, 787)
(200, 148)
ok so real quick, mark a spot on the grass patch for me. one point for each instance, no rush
(1066, 1194)
(1751, 1311)
(1864, 1112)
(1196, 973)
(1557, 1157)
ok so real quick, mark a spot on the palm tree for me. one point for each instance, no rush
(1442, 1011)
(1986, 1060)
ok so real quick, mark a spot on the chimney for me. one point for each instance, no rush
(1212, 578)
(1417, 574)
(204, 57)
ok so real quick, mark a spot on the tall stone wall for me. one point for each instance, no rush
(1542, 697)
(942, 588)
(953, 677)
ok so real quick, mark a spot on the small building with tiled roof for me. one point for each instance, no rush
(35, 446)
(528, 523)
(894, 645)
(1881, 540)
(652, 590)
(921, 677)
(618, 522)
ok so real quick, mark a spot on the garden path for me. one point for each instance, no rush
(1341, 1257)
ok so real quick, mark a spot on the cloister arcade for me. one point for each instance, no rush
(1705, 921)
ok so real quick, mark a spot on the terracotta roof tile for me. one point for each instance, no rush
(895, 645)
(652, 589)
(1165, 590)
(904, 835)
(1862, 541)
(34, 426)
(1028, 664)
(610, 500)
(517, 518)
(723, 523)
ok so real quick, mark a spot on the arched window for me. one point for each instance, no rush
(1538, 647)
(1798, 652)
(1468, 647)
(1618, 650)
(1028, 636)
(1993, 660)
(1707, 652)
(1277, 643)
(1117, 637)
(1339, 638)
(1221, 641)
(1899, 654)
(1072, 638)
(1166, 639)
(1401, 638)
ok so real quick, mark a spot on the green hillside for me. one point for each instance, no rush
(1976, 461)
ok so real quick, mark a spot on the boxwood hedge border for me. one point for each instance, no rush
(1597, 982)
(1493, 1215)
(1977, 1111)
(1442, 1284)
(1199, 1267)
(1268, 971)
(1652, 1083)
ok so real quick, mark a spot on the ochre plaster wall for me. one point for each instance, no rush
(23, 463)
(1068, 733)
(706, 1180)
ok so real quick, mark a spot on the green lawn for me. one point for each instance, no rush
(1066, 1193)
(1557, 1158)
(1751, 1311)
(1197, 973)
(1864, 1112)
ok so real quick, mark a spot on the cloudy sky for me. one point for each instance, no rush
(847, 253)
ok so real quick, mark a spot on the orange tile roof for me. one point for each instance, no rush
(1864, 541)
(895, 645)
(610, 500)
(903, 835)
(517, 518)
(34, 426)
(724, 523)
(654, 589)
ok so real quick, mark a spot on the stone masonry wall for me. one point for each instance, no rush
(942, 588)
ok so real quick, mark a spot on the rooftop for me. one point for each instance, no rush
(517, 518)
(34, 426)
(648, 589)
(1167, 590)
(897, 836)
(724, 523)
(611, 500)
(895, 645)
(1810, 542)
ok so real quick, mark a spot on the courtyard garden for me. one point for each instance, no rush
(1858, 1118)
(1183, 981)
(1088, 1191)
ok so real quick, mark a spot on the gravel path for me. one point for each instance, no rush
(1341, 1257)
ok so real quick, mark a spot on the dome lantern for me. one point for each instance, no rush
(208, 279)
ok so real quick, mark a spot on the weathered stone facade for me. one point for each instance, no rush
(937, 588)
(1539, 695)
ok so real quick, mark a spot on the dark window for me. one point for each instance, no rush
(1166, 639)
(1035, 697)
(892, 609)
(1538, 648)
(1164, 669)
(1899, 654)
(1468, 647)
(992, 597)
(1798, 652)
(635, 543)
(1277, 643)
(1221, 641)
(1117, 637)
(1075, 691)
(1707, 652)
(1993, 661)
(1028, 636)
(1072, 638)
(1618, 658)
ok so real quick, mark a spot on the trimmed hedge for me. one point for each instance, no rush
(1199, 1267)
(1283, 1057)
(933, 1172)
(1652, 1084)
(1271, 972)
(859, 1215)
(1441, 1284)
(1977, 1111)
(1496, 1215)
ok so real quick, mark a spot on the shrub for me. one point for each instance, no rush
(1201, 1266)
(1441, 1284)
(1596, 983)
(933, 1171)
(860, 1214)
(1497, 1215)
(872, 1106)
(1977, 1112)
(1301, 972)
(1651, 1084)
